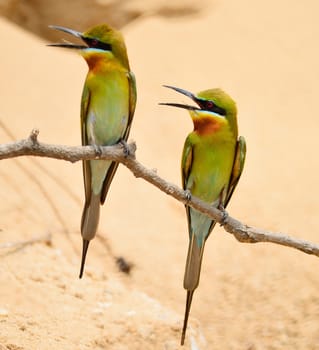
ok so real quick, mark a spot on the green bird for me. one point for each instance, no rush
(212, 162)
(107, 109)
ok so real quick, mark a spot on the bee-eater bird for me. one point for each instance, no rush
(107, 109)
(212, 162)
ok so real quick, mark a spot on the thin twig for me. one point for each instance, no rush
(33, 137)
(15, 246)
(53, 177)
(43, 239)
(242, 232)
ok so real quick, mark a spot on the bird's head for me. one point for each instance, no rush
(214, 107)
(98, 43)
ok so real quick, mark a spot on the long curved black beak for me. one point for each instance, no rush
(67, 44)
(181, 91)
(180, 105)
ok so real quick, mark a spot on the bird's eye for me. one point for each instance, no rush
(94, 43)
(97, 44)
(209, 105)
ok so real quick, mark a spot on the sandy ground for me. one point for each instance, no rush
(255, 297)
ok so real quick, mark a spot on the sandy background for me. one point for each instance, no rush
(251, 297)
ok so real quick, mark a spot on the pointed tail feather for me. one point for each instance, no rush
(84, 251)
(189, 298)
(89, 224)
(193, 264)
(191, 277)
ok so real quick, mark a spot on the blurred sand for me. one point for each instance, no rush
(265, 54)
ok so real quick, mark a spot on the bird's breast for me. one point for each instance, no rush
(108, 111)
(212, 162)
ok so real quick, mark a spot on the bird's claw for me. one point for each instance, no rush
(224, 215)
(188, 195)
(97, 150)
(126, 149)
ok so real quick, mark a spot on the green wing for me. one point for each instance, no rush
(132, 103)
(85, 103)
(238, 167)
(187, 161)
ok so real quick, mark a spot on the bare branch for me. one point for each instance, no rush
(242, 232)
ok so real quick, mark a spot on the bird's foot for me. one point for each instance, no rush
(188, 195)
(225, 215)
(126, 149)
(97, 150)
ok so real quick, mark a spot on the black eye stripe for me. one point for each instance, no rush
(211, 106)
(218, 110)
(94, 43)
